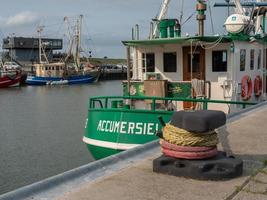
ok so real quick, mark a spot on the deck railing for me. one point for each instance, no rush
(103, 101)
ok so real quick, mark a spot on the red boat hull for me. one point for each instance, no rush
(10, 80)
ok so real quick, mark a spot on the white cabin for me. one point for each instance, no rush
(221, 60)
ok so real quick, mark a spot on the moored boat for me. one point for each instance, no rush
(14, 66)
(172, 72)
(113, 72)
(9, 78)
(63, 72)
(58, 74)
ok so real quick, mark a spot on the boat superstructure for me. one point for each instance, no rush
(171, 72)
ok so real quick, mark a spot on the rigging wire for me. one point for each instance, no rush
(189, 18)
(212, 45)
(211, 20)
(93, 49)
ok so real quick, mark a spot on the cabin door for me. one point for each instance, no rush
(198, 61)
(198, 67)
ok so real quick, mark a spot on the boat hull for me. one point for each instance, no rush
(110, 131)
(10, 81)
(35, 80)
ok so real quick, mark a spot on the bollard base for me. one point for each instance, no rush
(217, 168)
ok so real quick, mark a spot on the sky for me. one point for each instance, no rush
(105, 23)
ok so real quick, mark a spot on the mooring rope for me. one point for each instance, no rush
(182, 137)
(199, 88)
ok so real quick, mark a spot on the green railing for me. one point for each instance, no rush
(103, 101)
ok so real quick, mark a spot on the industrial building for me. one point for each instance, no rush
(25, 50)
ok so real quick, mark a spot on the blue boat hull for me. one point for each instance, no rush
(82, 79)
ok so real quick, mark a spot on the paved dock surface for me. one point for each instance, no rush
(245, 137)
(129, 175)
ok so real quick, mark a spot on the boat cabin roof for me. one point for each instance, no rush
(188, 40)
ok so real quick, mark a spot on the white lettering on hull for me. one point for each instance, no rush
(124, 127)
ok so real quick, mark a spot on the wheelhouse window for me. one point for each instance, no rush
(259, 59)
(148, 62)
(242, 59)
(252, 52)
(170, 62)
(219, 61)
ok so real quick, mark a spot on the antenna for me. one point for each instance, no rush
(182, 11)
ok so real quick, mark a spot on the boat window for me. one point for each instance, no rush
(45, 68)
(242, 59)
(49, 68)
(259, 58)
(219, 61)
(148, 62)
(252, 52)
(170, 62)
(57, 67)
(53, 68)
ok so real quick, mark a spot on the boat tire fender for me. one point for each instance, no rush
(190, 155)
(166, 145)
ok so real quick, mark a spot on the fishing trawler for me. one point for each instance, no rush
(172, 72)
(64, 72)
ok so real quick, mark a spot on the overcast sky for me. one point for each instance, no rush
(106, 22)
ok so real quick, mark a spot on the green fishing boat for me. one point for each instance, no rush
(171, 72)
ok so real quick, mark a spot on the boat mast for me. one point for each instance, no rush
(239, 9)
(41, 49)
(78, 36)
(39, 30)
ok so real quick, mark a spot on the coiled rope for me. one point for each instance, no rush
(182, 137)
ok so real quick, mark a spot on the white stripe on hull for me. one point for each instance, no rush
(6, 81)
(110, 145)
(15, 85)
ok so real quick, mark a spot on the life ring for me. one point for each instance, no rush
(246, 84)
(258, 86)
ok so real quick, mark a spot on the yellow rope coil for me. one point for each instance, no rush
(182, 137)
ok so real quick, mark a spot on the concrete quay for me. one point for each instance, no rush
(129, 175)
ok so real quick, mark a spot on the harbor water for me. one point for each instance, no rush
(41, 130)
